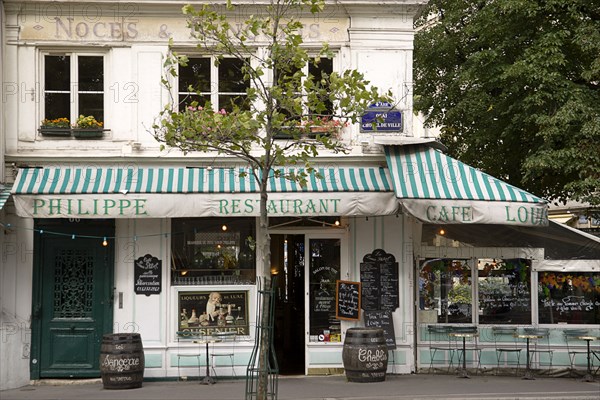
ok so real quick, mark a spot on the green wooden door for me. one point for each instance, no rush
(74, 303)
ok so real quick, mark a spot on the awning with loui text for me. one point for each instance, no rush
(437, 188)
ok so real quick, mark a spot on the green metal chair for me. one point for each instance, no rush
(440, 342)
(471, 344)
(185, 352)
(576, 348)
(227, 339)
(506, 345)
(541, 346)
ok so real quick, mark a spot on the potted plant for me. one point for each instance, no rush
(326, 126)
(56, 127)
(86, 127)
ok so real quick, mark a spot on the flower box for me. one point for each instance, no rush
(89, 133)
(55, 131)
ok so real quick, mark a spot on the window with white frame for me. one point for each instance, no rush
(503, 288)
(298, 112)
(203, 81)
(569, 297)
(73, 86)
(320, 72)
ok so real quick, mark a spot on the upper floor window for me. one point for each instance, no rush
(319, 72)
(223, 85)
(73, 86)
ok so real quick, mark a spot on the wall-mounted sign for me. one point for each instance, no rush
(147, 275)
(381, 117)
(379, 279)
(205, 313)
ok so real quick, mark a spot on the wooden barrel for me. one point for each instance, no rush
(365, 355)
(122, 361)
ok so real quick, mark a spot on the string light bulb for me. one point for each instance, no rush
(224, 228)
(337, 222)
(73, 237)
(104, 242)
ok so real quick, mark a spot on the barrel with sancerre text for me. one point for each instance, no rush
(122, 361)
(365, 355)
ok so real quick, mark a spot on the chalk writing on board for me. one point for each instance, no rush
(571, 303)
(379, 280)
(147, 275)
(347, 300)
(384, 320)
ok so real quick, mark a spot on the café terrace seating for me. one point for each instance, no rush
(508, 351)
(541, 347)
(442, 348)
(576, 348)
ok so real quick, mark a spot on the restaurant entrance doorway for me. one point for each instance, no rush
(287, 265)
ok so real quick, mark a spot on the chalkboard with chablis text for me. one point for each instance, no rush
(347, 300)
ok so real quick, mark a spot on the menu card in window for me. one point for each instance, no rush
(347, 305)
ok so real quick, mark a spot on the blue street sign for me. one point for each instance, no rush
(381, 118)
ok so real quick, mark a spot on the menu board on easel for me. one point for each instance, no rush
(379, 281)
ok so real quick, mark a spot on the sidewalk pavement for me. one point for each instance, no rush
(397, 387)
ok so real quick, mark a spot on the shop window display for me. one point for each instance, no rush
(445, 293)
(504, 291)
(325, 264)
(569, 297)
(213, 251)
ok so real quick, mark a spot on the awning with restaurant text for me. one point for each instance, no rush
(80, 192)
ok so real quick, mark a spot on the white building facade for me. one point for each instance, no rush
(87, 215)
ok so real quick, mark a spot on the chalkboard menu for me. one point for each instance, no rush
(379, 280)
(347, 303)
(147, 275)
(385, 321)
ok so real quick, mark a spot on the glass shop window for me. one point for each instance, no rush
(213, 251)
(324, 270)
(445, 291)
(569, 297)
(504, 289)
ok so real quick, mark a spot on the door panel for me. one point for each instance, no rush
(324, 267)
(74, 307)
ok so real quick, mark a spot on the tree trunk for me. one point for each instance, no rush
(265, 245)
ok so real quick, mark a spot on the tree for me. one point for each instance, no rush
(514, 86)
(280, 98)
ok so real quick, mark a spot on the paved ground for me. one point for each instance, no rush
(400, 387)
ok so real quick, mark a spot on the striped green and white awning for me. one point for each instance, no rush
(195, 180)
(179, 191)
(437, 188)
(4, 195)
